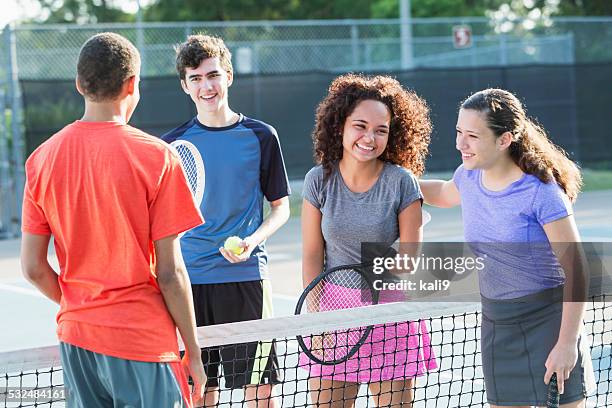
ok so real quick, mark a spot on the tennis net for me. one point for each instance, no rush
(33, 378)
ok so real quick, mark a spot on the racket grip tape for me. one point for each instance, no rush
(552, 399)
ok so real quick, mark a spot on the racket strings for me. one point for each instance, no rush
(190, 167)
(342, 289)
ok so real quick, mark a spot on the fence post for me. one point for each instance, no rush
(256, 78)
(503, 50)
(14, 96)
(473, 52)
(577, 151)
(140, 43)
(256, 53)
(355, 45)
(407, 58)
(5, 182)
(570, 49)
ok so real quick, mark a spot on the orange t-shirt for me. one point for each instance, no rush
(106, 191)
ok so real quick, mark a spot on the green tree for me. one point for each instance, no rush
(452, 8)
(221, 10)
(83, 11)
(543, 9)
(585, 7)
(224, 10)
(99, 11)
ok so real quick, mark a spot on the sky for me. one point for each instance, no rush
(23, 9)
(17, 9)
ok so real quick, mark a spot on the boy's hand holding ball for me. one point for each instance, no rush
(236, 249)
(234, 244)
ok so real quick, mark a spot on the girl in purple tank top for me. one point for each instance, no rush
(516, 187)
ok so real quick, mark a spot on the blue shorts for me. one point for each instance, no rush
(95, 380)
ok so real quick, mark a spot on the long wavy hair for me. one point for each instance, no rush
(531, 149)
(409, 130)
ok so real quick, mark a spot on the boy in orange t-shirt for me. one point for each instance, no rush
(115, 200)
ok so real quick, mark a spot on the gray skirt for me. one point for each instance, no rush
(517, 336)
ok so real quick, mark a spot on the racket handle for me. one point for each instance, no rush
(552, 399)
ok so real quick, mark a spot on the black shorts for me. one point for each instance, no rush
(243, 364)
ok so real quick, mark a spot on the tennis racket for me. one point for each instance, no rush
(193, 166)
(552, 399)
(342, 287)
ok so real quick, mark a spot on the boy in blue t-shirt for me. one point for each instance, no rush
(242, 163)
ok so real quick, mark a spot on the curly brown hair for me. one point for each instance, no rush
(531, 149)
(409, 130)
(105, 62)
(199, 47)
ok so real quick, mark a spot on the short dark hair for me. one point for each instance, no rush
(197, 48)
(105, 62)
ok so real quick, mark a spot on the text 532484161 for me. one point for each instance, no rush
(32, 394)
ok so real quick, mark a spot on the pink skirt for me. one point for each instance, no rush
(392, 351)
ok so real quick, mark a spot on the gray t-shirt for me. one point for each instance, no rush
(349, 218)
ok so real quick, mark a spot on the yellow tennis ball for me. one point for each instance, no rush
(233, 244)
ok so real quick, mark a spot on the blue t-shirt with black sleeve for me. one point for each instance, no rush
(242, 164)
(507, 227)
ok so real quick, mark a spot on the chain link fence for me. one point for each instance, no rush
(266, 52)
(338, 45)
